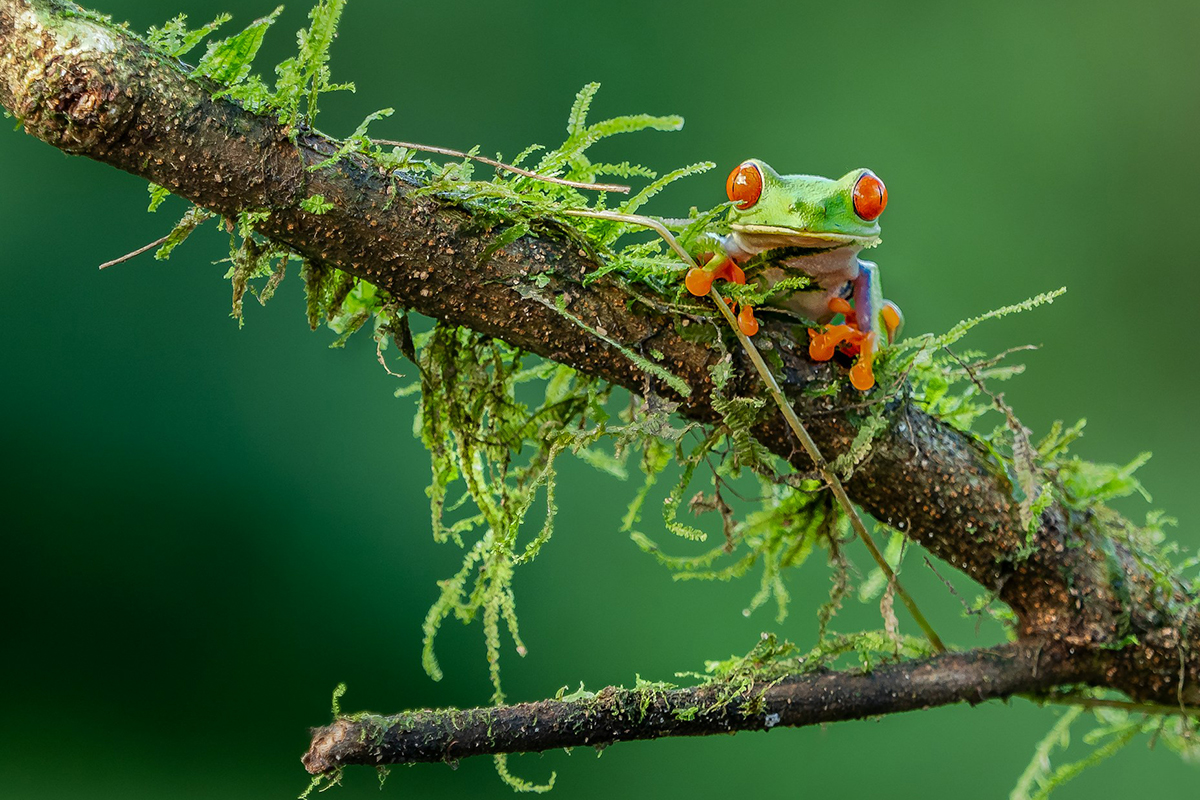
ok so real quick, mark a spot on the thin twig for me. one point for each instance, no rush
(446, 151)
(135, 253)
(637, 219)
(996, 359)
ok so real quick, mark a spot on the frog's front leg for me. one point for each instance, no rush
(871, 312)
(699, 281)
(720, 267)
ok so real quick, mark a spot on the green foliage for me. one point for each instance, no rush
(946, 385)
(523, 203)
(875, 582)
(252, 257)
(300, 80)
(518, 784)
(781, 533)
(642, 363)
(929, 342)
(228, 62)
(193, 219)
(1084, 484)
(357, 141)
(176, 40)
(305, 77)
(767, 663)
(868, 430)
(756, 294)
(500, 452)
(317, 204)
(335, 706)
(745, 678)
(158, 195)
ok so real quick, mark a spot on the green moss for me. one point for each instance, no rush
(646, 693)
(317, 204)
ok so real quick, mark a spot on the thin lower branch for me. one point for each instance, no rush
(621, 715)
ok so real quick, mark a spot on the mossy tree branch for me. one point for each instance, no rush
(90, 88)
(623, 715)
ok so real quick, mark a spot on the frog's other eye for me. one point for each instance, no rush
(744, 185)
(870, 196)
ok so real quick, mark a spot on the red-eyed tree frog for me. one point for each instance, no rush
(817, 226)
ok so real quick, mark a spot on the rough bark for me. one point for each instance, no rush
(94, 90)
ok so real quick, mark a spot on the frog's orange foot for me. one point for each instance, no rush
(746, 321)
(698, 281)
(822, 344)
(861, 375)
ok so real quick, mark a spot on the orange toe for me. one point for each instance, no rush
(820, 345)
(862, 374)
(862, 377)
(892, 318)
(747, 322)
(698, 281)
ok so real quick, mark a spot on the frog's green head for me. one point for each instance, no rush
(806, 210)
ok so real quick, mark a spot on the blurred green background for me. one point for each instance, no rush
(207, 529)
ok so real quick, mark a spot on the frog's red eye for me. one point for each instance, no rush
(744, 185)
(870, 196)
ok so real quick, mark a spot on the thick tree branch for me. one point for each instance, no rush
(623, 715)
(91, 89)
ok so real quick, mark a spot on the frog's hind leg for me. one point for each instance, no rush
(823, 344)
